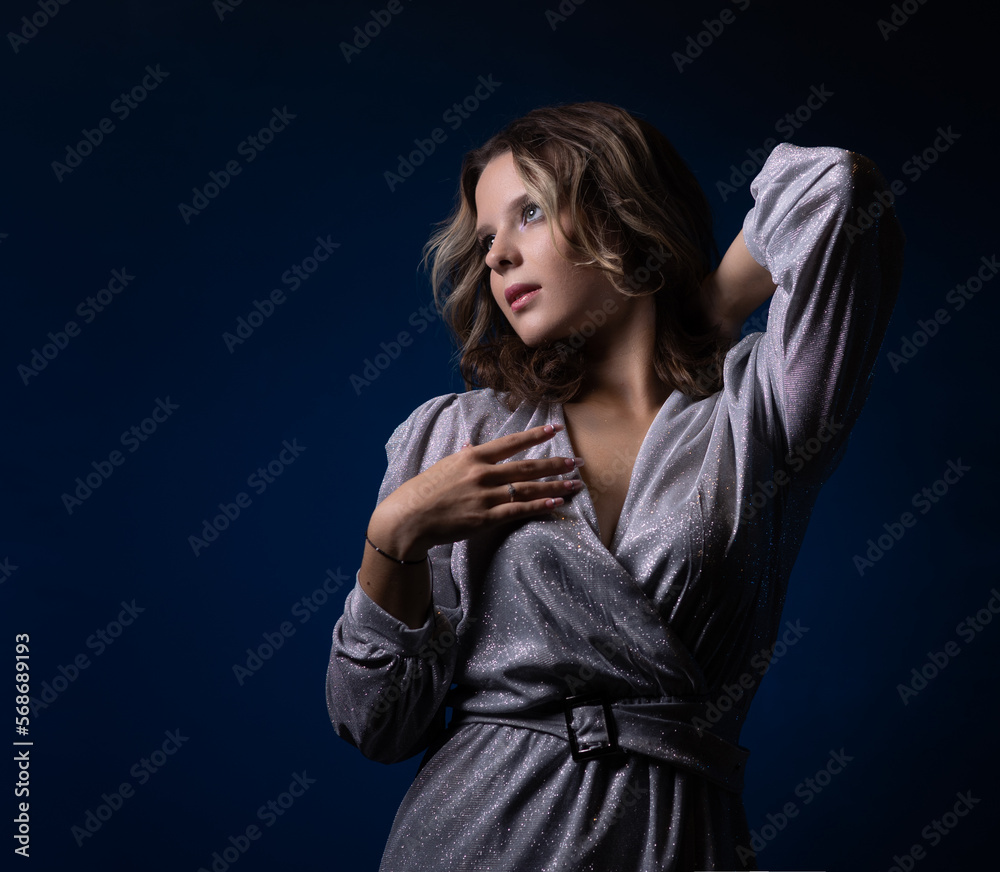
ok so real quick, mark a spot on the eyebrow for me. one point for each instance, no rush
(513, 207)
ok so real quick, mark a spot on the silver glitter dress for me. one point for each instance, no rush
(661, 640)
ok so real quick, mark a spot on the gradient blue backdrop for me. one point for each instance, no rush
(67, 574)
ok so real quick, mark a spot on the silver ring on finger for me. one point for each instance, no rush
(512, 490)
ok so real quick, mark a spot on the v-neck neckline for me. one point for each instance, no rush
(590, 516)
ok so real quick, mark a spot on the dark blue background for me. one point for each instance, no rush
(172, 669)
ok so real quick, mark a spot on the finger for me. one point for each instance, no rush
(563, 487)
(526, 470)
(517, 510)
(528, 492)
(507, 446)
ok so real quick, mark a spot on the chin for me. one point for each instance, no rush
(541, 343)
(533, 339)
(539, 339)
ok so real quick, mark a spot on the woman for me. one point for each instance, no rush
(595, 617)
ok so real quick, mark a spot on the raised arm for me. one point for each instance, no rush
(834, 286)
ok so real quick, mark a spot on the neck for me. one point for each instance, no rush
(619, 368)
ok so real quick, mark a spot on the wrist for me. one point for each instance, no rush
(395, 537)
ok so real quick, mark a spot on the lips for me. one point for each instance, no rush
(514, 291)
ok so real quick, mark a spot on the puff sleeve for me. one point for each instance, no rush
(386, 682)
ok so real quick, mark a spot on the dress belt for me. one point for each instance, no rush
(662, 729)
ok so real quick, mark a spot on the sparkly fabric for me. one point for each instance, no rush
(682, 605)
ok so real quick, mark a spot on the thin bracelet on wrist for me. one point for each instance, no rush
(394, 559)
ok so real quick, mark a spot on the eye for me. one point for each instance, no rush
(531, 212)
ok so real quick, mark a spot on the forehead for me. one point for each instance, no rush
(498, 185)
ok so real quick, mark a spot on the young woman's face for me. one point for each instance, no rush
(543, 295)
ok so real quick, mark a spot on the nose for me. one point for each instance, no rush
(503, 253)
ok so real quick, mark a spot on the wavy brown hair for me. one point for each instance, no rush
(632, 204)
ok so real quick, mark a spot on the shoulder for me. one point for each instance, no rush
(466, 407)
(443, 424)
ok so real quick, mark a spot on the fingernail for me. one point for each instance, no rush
(579, 461)
(548, 428)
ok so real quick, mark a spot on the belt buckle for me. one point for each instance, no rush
(592, 730)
